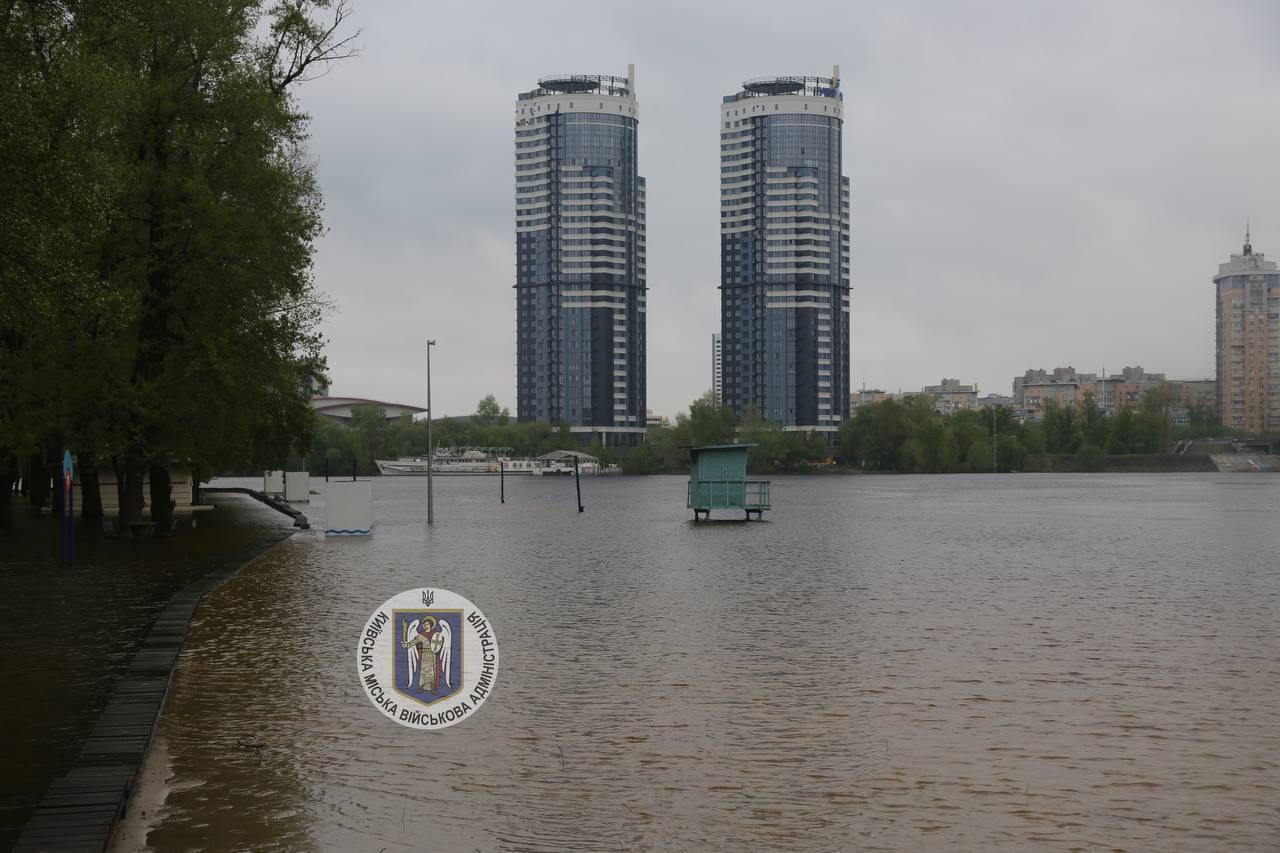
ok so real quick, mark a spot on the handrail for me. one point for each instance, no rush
(729, 494)
(299, 520)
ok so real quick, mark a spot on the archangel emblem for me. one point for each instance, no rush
(428, 656)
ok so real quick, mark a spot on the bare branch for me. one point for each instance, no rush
(306, 44)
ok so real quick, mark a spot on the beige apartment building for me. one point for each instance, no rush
(950, 396)
(1112, 394)
(1248, 333)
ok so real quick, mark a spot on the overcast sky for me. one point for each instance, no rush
(1034, 184)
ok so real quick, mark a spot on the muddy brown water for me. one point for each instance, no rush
(67, 632)
(888, 663)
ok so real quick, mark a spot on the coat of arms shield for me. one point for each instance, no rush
(427, 656)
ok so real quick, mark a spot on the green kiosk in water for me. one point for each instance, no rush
(718, 480)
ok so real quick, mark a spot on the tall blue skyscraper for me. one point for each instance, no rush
(580, 257)
(784, 252)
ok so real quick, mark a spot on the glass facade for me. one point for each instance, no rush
(784, 253)
(580, 258)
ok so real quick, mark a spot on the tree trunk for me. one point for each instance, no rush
(90, 494)
(161, 501)
(59, 491)
(118, 468)
(132, 498)
(8, 475)
(39, 481)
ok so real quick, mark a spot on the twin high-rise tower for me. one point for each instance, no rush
(580, 254)
(580, 276)
(784, 252)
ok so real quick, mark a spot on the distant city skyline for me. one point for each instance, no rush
(1038, 185)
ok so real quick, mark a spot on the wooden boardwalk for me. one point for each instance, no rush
(80, 809)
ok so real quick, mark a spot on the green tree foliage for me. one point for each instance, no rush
(709, 421)
(1090, 457)
(1062, 433)
(642, 460)
(873, 438)
(910, 437)
(369, 436)
(1155, 420)
(1202, 422)
(158, 303)
(1122, 436)
(489, 413)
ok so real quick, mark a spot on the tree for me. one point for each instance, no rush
(877, 434)
(978, 457)
(641, 460)
(1061, 428)
(1093, 424)
(370, 429)
(174, 214)
(487, 412)
(1155, 419)
(709, 421)
(1122, 437)
(1090, 457)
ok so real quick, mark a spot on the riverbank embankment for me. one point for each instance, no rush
(91, 648)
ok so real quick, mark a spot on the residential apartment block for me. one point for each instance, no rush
(950, 396)
(1248, 341)
(1112, 394)
(784, 252)
(580, 257)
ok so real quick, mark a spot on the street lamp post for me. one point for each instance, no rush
(430, 448)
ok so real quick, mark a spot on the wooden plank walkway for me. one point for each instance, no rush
(80, 809)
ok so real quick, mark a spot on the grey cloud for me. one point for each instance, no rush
(1033, 184)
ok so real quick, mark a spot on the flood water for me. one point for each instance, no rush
(68, 631)
(887, 663)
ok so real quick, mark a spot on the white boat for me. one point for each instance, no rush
(485, 461)
(455, 461)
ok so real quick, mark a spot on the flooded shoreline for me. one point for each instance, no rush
(71, 631)
(887, 663)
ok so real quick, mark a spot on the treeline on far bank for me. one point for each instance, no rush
(910, 437)
(369, 436)
(906, 436)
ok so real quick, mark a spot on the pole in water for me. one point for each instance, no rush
(577, 482)
(326, 469)
(353, 469)
(502, 481)
(66, 515)
(431, 514)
